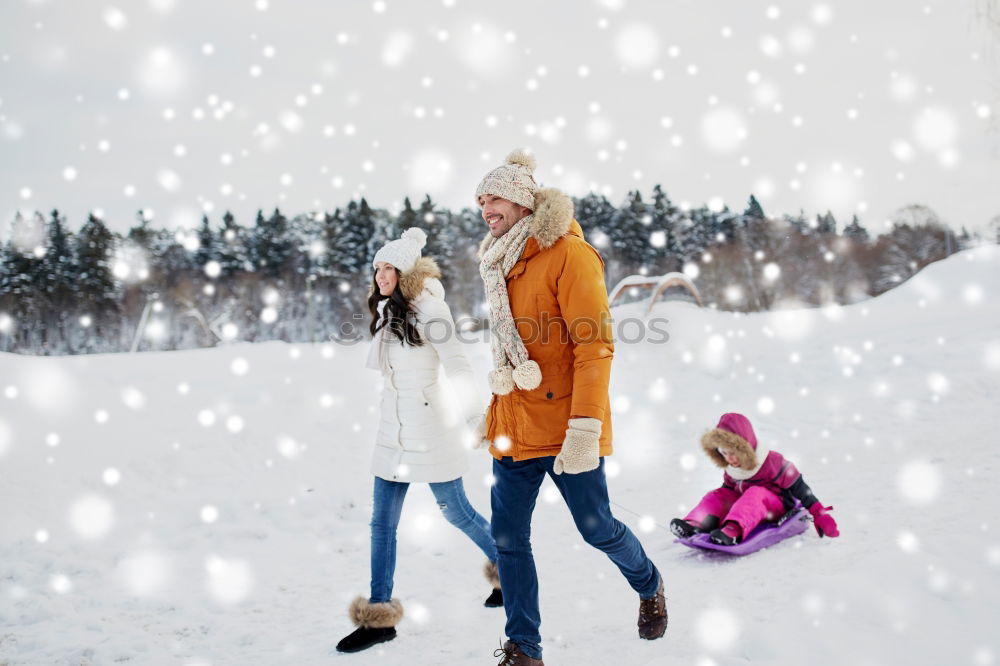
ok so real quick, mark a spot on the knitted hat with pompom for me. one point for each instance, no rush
(404, 251)
(512, 180)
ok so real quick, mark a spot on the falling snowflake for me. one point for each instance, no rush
(133, 398)
(485, 50)
(288, 447)
(723, 129)
(397, 48)
(162, 72)
(430, 171)
(907, 541)
(230, 581)
(239, 366)
(919, 482)
(765, 405)
(717, 628)
(145, 573)
(61, 584)
(637, 45)
(91, 516)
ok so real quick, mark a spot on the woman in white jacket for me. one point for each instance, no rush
(421, 431)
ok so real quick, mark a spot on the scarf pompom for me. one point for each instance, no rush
(527, 376)
(502, 380)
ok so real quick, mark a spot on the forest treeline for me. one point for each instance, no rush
(306, 278)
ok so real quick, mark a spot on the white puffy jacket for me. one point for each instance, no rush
(422, 434)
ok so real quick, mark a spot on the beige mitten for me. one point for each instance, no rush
(581, 448)
(477, 426)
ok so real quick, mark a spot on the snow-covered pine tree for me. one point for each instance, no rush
(298, 280)
(467, 229)
(11, 286)
(142, 233)
(272, 245)
(350, 262)
(208, 245)
(596, 217)
(727, 223)
(357, 238)
(826, 223)
(754, 210)
(57, 281)
(232, 247)
(758, 243)
(407, 218)
(430, 219)
(629, 239)
(856, 232)
(26, 281)
(798, 222)
(665, 250)
(697, 230)
(98, 294)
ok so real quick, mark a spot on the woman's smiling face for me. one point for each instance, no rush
(386, 278)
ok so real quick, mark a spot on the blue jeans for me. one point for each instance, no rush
(388, 505)
(586, 495)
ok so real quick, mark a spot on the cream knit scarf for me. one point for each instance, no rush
(511, 365)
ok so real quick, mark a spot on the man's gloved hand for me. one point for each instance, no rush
(823, 522)
(581, 448)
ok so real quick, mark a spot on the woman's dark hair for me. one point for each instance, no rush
(397, 316)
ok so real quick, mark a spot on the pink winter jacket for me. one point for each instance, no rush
(735, 433)
(776, 474)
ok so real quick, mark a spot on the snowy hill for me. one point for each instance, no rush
(211, 507)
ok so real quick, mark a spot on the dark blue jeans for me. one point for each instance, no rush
(388, 506)
(586, 495)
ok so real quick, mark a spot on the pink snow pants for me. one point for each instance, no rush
(756, 504)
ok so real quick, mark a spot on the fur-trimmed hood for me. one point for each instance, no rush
(551, 219)
(424, 276)
(735, 432)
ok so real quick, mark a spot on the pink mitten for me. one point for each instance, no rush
(823, 522)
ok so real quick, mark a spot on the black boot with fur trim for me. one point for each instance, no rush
(376, 623)
(495, 600)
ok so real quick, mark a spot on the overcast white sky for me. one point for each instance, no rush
(184, 106)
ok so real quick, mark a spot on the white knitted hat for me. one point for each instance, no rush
(512, 180)
(404, 251)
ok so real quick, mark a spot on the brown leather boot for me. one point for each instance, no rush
(653, 615)
(511, 655)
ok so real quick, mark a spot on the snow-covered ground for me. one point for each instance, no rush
(211, 507)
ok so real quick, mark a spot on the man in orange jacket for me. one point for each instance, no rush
(551, 344)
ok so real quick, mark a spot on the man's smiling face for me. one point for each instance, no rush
(501, 214)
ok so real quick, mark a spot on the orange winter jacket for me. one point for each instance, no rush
(560, 306)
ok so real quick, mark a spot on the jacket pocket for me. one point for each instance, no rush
(442, 411)
(546, 408)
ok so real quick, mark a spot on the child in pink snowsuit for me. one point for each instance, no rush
(758, 484)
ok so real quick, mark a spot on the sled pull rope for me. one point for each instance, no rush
(638, 515)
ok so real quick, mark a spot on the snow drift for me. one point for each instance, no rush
(211, 506)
